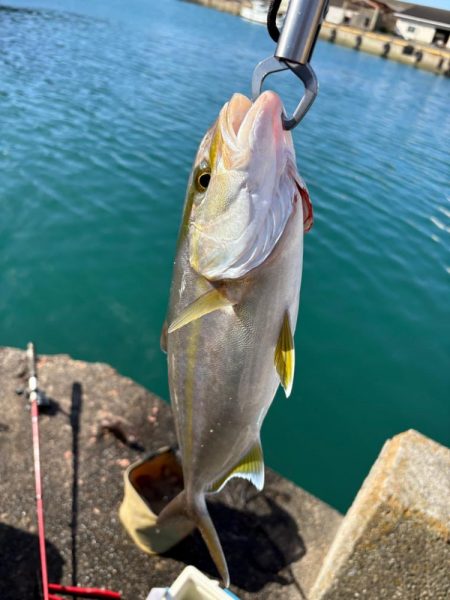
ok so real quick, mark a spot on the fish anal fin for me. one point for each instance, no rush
(208, 303)
(250, 467)
(163, 338)
(285, 355)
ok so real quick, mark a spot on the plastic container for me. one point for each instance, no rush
(149, 485)
(192, 585)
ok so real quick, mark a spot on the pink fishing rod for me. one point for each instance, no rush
(35, 397)
(33, 390)
(82, 592)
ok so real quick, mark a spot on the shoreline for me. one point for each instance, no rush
(420, 56)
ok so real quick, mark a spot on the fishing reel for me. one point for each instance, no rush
(33, 393)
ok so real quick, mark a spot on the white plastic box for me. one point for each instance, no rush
(192, 585)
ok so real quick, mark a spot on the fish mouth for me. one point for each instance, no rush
(246, 126)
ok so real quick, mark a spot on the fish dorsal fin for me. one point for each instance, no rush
(285, 355)
(250, 467)
(163, 338)
(209, 302)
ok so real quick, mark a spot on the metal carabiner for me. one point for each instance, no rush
(304, 72)
(294, 50)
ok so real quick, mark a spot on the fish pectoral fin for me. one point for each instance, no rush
(209, 302)
(251, 467)
(163, 338)
(285, 355)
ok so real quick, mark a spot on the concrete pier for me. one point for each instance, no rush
(274, 541)
(395, 540)
(414, 54)
(230, 6)
(281, 544)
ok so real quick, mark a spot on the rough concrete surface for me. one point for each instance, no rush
(395, 540)
(274, 541)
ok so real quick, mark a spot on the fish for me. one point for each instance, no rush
(233, 302)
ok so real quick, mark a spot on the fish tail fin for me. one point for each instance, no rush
(195, 509)
(209, 534)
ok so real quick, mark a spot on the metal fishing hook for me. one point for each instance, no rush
(294, 50)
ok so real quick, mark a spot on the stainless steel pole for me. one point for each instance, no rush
(300, 30)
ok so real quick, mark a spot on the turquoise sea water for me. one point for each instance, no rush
(102, 105)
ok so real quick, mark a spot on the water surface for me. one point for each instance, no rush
(102, 106)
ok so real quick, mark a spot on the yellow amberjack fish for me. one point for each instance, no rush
(233, 302)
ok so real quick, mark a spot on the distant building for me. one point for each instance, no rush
(335, 12)
(424, 24)
(363, 14)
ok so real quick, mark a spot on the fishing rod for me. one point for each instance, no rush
(34, 397)
(38, 399)
(295, 46)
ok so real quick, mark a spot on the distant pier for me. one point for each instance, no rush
(411, 53)
(230, 6)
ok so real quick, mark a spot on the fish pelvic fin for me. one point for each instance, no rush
(250, 467)
(195, 509)
(285, 355)
(209, 302)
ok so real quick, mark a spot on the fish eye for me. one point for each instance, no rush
(203, 178)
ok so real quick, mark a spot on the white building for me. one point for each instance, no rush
(363, 14)
(335, 12)
(424, 24)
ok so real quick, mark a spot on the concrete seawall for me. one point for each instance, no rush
(281, 544)
(100, 422)
(387, 46)
(230, 6)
